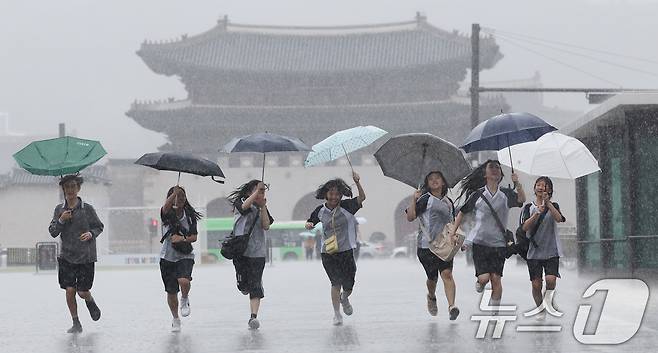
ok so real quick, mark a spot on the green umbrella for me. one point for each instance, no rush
(59, 156)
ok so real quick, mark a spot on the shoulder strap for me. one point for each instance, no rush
(452, 207)
(500, 224)
(253, 224)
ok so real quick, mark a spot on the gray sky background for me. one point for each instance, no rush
(74, 61)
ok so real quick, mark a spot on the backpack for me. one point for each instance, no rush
(236, 245)
(175, 227)
(522, 239)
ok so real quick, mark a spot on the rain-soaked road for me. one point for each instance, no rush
(389, 313)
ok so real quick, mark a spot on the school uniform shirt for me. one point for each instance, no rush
(434, 213)
(84, 220)
(546, 236)
(167, 251)
(486, 231)
(243, 221)
(344, 223)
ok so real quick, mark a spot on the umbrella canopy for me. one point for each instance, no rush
(505, 130)
(263, 143)
(409, 157)
(554, 155)
(59, 156)
(343, 142)
(181, 163)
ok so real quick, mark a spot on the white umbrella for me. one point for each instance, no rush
(553, 155)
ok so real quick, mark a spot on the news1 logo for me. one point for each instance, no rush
(620, 318)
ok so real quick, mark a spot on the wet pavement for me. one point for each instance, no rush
(389, 313)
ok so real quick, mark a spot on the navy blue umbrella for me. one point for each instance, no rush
(506, 130)
(263, 143)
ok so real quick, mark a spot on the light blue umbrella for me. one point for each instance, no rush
(342, 143)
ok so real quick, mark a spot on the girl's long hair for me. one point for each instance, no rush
(338, 183)
(425, 188)
(242, 192)
(476, 179)
(189, 210)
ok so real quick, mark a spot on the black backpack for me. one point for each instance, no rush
(522, 239)
(176, 228)
(235, 245)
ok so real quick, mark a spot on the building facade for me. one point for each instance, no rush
(617, 223)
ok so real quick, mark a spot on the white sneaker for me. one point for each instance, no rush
(338, 319)
(347, 307)
(479, 287)
(175, 325)
(185, 306)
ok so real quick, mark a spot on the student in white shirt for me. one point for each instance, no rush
(488, 241)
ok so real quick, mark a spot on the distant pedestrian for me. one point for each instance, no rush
(539, 220)
(434, 210)
(252, 219)
(309, 245)
(78, 226)
(179, 220)
(338, 239)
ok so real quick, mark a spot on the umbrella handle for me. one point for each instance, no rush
(348, 157)
(216, 180)
(262, 175)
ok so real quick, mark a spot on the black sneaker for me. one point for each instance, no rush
(454, 312)
(94, 311)
(76, 328)
(253, 323)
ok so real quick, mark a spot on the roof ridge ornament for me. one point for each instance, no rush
(421, 18)
(222, 22)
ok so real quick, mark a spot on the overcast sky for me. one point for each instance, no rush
(74, 61)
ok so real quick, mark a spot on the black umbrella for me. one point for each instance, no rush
(409, 157)
(182, 163)
(263, 143)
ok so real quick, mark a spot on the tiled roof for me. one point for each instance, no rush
(244, 48)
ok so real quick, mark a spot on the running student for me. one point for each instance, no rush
(179, 220)
(486, 237)
(434, 210)
(339, 227)
(539, 220)
(78, 226)
(252, 218)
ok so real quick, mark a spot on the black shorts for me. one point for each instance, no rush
(78, 276)
(551, 267)
(249, 275)
(488, 259)
(341, 269)
(432, 264)
(172, 271)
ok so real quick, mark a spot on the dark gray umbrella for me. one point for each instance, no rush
(263, 143)
(182, 163)
(409, 157)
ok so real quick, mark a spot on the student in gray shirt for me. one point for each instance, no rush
(179, 221)
(434, 210)
(252, 219)
(486, 237)
(78, 226)
(539, 220)
(339, 238)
